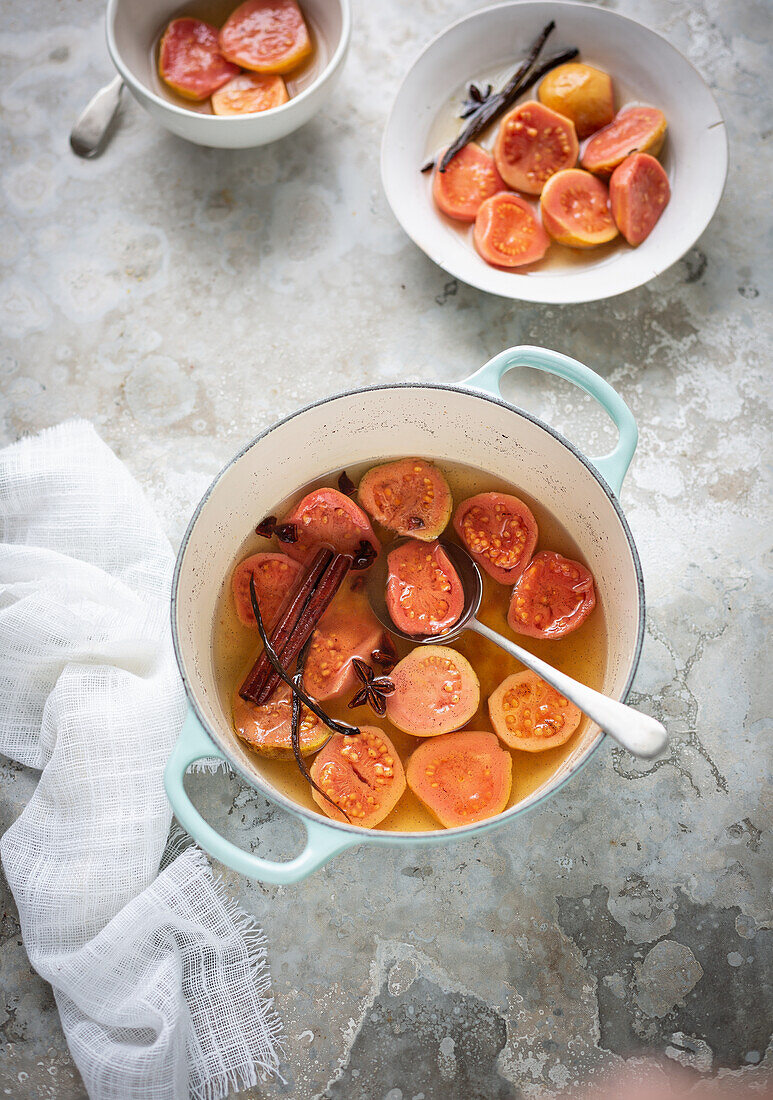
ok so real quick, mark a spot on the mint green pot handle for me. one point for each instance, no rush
(612, 467)
(322, 841)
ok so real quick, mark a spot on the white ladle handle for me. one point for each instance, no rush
(638, 733)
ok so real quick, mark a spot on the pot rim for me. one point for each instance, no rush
(371, 836)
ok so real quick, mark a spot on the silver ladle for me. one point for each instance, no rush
(638, 733)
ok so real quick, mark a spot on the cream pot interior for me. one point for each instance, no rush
(435, 422)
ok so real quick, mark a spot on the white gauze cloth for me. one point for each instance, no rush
(160, 981)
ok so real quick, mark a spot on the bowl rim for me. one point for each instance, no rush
(375, 836)
(183, 112)
(526, 289)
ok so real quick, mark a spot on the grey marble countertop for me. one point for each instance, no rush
(182, 299)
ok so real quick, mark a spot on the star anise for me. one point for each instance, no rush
(385, 655)
(476, 97)
(364, 555)
(346, 485)
(285, 532)
(374, 688)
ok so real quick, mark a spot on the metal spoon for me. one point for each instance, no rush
(638, 733)
(88, 137)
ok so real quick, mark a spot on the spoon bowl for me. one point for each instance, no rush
(92, 127)
(640, 734)
(469, 575)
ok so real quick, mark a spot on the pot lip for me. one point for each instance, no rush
(369, 836)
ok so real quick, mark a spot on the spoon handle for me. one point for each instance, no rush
(89, 132)
(638, 733)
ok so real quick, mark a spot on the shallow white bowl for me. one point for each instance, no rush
(132, 29)
(644, 68)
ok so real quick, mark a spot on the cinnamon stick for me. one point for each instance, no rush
(285, 623)
(335, 724)
(313, 611)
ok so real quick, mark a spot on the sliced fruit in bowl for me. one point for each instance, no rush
(470, 178)
(328, 517)
(639, 192)
(461, 778)
(530, 715)
(249, 93)
(424, 594)
(360, 779)
(575, 209)
(436, 690)
(500, 533)
(190, 61)
(508, 233)
(534, 143)
(581, 93)
(552, 597)
(266, 36)
(410, 497)
(635, 130)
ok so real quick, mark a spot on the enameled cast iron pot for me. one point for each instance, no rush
(468, 423)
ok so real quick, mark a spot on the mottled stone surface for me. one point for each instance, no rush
(184, 298)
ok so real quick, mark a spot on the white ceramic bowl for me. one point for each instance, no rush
(133, 26)
(644, 68)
